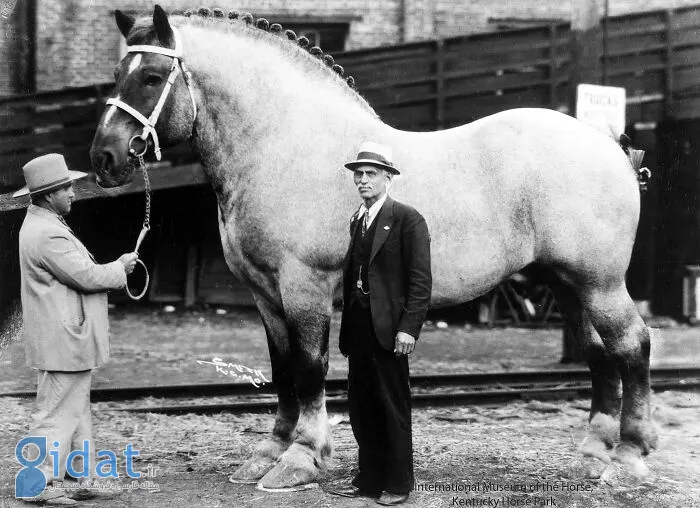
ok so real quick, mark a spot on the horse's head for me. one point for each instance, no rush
(146, 110)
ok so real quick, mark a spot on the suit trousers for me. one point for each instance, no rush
(63, 416)
(379, 396)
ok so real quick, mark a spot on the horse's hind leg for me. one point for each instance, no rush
(604, 415)
(626, 338)
(266, 453)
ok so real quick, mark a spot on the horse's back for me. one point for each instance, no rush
(516, 187)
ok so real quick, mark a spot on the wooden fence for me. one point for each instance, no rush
(655, 56)
(428, 85)
(447, 82)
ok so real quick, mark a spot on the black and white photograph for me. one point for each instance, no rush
(350, 253)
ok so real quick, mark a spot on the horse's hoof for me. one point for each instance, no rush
(654, 437)
(252, 470)
(295, 470)
(594, 448)
(627, 469)
(306, 486)
(603, 428)
(585, 468)
(618, 475)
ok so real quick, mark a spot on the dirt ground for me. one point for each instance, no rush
(523, 445)
(152, 347)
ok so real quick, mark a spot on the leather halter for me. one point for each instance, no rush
(149, 124)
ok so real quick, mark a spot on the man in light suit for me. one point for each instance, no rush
(387, 284)
(64, 306)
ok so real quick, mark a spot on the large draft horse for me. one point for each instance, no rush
(272, 123)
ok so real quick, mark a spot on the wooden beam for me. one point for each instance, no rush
(669, 85)
(192, 275)
(586, 46)
(25, 78)
(161, 177)
(440, 83)
(553, 66)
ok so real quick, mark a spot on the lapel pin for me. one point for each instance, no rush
(386, 227)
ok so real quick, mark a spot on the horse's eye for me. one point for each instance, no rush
(116, 75)
(153, 79)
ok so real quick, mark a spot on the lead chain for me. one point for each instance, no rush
(147, 184)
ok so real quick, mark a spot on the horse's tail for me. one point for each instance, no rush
(636, 157)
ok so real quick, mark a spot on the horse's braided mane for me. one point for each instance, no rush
(275, 29)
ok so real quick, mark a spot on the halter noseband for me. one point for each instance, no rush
(149, 124)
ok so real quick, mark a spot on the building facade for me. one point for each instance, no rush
(75, 42)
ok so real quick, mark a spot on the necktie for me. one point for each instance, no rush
(365, 223)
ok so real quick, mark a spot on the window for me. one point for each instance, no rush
(330, 37)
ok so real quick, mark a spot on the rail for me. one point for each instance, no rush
(428, 390)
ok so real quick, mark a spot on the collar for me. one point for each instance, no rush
(373, 210)
(42, 212)
(52, 216)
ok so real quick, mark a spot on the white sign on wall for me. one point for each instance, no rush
(602, 107)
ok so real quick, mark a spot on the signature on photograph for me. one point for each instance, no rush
(253, 376)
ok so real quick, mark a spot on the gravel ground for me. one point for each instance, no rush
(523, 444)
(152, 347)
(454, 449)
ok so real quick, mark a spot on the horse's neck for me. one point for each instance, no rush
(259, 115)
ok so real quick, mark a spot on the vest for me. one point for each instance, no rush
(362, 248)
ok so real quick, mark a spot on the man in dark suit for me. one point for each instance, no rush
(386, 288)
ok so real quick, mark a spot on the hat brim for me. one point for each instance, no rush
(371, 162)
(74, 175)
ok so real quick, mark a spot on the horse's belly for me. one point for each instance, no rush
(464, 272)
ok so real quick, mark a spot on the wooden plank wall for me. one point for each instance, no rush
(448, 82)
(424, 86)
(34, 124)
(62, 121)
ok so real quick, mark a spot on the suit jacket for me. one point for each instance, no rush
(64, 299)
(399, 275)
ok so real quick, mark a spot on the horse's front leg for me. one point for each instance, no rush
(267, 452)
(307, 297)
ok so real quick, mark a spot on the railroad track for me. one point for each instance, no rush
(439, 390)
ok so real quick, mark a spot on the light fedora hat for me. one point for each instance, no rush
(46, 173)
(374, 154)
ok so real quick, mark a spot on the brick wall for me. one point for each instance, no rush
(8, 38)
(458, 17)
(16, 73)
(78, 43)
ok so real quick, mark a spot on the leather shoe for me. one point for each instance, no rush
(351, 491)
(389, 499)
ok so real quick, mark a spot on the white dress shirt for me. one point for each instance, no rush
(373, 210)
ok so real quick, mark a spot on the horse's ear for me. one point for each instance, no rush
(162, 26)
(124, 22)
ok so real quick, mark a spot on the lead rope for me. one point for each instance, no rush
(146, 225)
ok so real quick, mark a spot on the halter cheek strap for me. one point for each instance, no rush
(149, 124)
